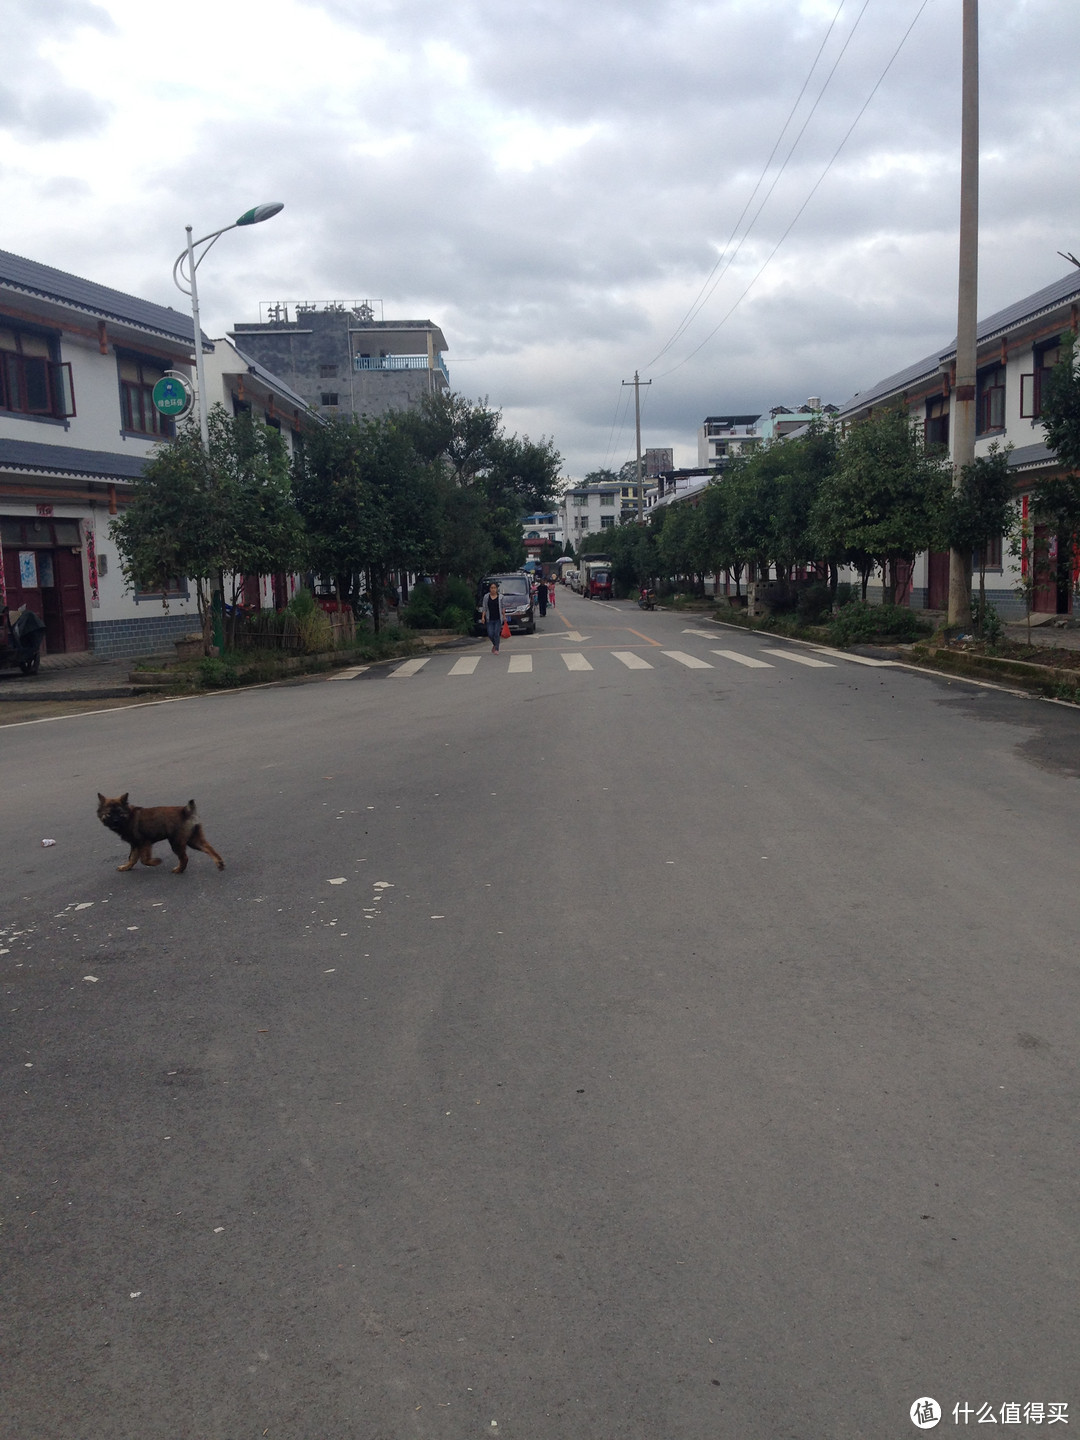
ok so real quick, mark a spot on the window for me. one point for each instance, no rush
(606, 522)
(936, 427)
(137, 411)
(328, 397)
(990, 408)
(608, 499)
(992, 561)
(1045, 357)
(328, 372)
(32, 380)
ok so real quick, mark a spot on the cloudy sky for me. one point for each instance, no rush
(712, 192)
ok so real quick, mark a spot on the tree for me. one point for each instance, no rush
(886, 496)
(201, 514)
(981, 509)
(1056, 500)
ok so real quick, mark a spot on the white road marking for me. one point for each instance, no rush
(410, 667)
(351, 673)
(800, 659)
(520, 665)
(576, 662)
(690, 661)
(746, 660)
(855, 659)
(632, 660)
(707, 634)
(465, 666)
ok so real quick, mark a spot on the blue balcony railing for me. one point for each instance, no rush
(400, 362)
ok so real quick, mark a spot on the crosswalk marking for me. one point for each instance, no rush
(800, 659)
(747, 660)
(349, 674)
(465, 666)
(855, 659)
(690, 661)
(632, 660)
(410, 667)
(576, 661)
(520, 665)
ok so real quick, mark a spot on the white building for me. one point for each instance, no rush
(1016, 348)
(78, 364)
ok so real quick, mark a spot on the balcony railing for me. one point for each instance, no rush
(400, 362)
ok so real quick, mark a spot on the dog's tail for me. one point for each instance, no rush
(189, 810)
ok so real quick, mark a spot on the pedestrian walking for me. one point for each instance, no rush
(492, 616)
(542, 596)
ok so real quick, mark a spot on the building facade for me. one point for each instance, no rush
(1017, 346)
(78, 363)
(342, 360)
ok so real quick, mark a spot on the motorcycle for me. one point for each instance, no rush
(646, 599)
(21, 645)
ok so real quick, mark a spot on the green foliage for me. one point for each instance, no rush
(217, 674)
(987, 621)
(846, 592)
(1061, 405)
(813, 602)
(859, 622)
(302, 604)
(420, 612)
(885, 497)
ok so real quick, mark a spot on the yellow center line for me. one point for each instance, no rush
(646, 638)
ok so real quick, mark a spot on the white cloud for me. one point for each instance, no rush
(553, 192)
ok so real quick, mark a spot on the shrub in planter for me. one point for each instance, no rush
(420, 612)
(859, 622)
(813, 602)
(454, 618)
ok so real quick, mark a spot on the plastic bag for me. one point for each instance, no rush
(506, 630)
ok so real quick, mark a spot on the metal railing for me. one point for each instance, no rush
(400, 362)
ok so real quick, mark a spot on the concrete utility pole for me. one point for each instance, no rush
(962, 426)
(637, 384)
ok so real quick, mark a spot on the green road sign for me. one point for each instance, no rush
(172, 396)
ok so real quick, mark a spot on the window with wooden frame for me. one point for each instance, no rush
(33, 380)
(936, 424)
(989, 554)
(1044, 358)
(990, 406)
(138, 414)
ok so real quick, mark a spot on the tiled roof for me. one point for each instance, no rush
(69, 460)
(30, 277)
(1025, 455)
(1050, 297)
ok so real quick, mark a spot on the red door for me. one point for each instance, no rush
(937, 580)
(71, 598)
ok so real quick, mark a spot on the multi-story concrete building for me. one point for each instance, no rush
(343, 360)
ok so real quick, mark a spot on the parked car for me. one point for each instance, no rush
(517, 596)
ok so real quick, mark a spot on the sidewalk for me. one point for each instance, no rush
(82, 676)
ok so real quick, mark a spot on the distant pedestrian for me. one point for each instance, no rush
(551, 593)
(492, 615)
(542, 596)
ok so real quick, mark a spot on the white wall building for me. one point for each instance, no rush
(1016, 348)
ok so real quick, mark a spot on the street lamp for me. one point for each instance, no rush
(182, 274)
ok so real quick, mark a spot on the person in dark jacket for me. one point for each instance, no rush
(542, 596)
(492, 615)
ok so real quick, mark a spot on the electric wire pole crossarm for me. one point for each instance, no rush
(637, 384)
(184, 279)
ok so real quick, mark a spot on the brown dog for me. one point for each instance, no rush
(143, 826)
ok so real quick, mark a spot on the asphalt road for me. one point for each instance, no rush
(628, 1052)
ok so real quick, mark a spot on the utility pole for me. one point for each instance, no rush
(637, 384)
(962, 426)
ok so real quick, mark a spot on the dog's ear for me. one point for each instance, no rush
(101, 798)
(123, 798)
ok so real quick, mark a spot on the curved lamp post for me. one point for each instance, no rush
(184, 278)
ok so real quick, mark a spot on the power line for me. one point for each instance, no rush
(813, 190)
(705, 292)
